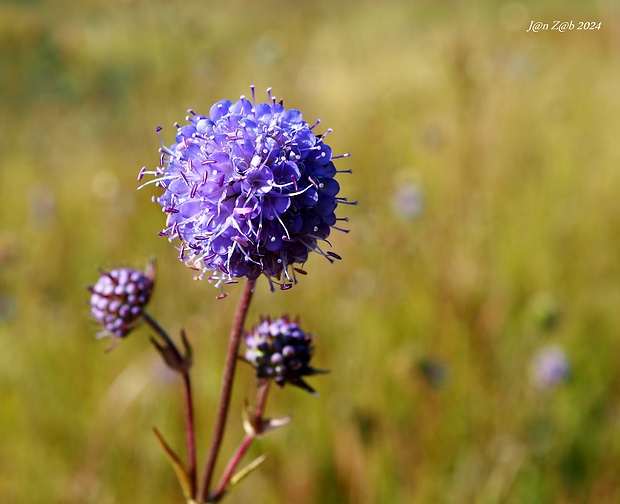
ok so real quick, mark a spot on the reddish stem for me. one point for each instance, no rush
(190, 432)
(261, 399)
(256, 420)
(232, 465)
(189, 403)
(226, 391)
(161, 332)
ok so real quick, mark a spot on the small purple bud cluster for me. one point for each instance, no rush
(249, 190)
(118, 299)
(280, 350)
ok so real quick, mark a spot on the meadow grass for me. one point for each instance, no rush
(511, 137)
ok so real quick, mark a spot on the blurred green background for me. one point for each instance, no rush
(487, 165)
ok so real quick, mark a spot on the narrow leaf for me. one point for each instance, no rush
(247, 470)
(247, 416)
(181, 472)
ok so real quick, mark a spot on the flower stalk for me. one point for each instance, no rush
(255, 420)
(173, 358)
(226, 391)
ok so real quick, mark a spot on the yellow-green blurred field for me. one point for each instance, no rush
(510, 137)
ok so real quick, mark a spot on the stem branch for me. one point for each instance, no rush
(257, 419)
(190, 436)
(160, 331)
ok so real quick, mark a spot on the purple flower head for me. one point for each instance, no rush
(118, 299)
(249, 189)
(408, 201)
(280, 350)
(550, 367)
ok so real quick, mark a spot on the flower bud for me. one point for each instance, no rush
(280, 350)
(118, 299)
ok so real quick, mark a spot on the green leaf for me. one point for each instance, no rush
(236, 479)
(179, 469)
